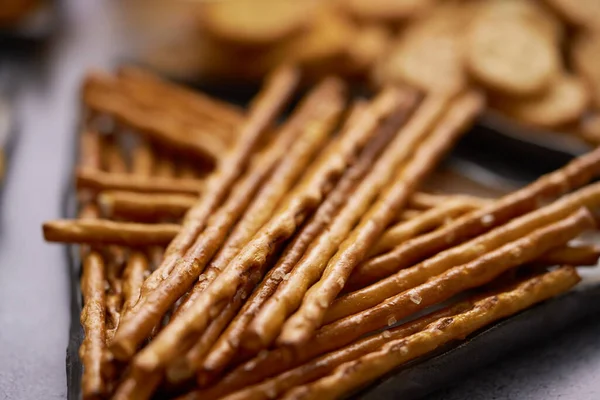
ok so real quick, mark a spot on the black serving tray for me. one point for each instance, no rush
(493, 154)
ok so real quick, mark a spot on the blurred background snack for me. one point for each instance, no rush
(535, 59)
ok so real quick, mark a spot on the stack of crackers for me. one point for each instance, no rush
(302, 260)
(537, 60)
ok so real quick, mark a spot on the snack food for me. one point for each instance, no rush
(298, 213)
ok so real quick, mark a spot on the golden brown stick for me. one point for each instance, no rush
(405, 279)
(134, 274)
(94, 326)
(134, 206)
(356, 373)
(112, 155)
(93, 314)
(264, 110)
(148, 100)
(99, 232)
(321, 108)
(226, 347)
(113, 161)
(573, 175)
(578, 255)
(424, 222)
(90, 149)
(133, 389)
(101, 181)
(337, 334)
(306, 196)
(309, 317)
(269, 320)
(142, 158)
(194, 102)
(102, 94)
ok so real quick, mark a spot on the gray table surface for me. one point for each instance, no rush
(34, 298)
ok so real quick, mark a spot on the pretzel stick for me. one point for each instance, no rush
(578, 255)
(226, 347)
(113, 161)
(94, 326)
(143, 318)
(405, 279)
(151, 101)
(306, 196)
(134, 206)
(102, 94)
(144, 207)
(322, 109)
(424, 222)
(357, 373)
(99, 180)
(269, 320)
(99, 232)
(195, 102)
(93, 314)
(342, 332)
(573, 175)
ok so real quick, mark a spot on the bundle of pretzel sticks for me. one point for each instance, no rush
(293, 264)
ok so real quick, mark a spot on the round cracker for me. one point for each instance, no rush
(585, 54)
(255, 22)
(386, 10)
(510, 55)
(584, 13)
(428, 55)
(565, 101)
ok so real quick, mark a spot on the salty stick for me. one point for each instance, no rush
(139, 207)
(577, 255)
(404, 279)
(193, 101)
(424, 222)
(227, 346)
(269, 320)
(98, 232)
(357, 373)
(342, 332)
(113, 161)
(573, 175)
(93, 314)
(178, 336)
(92, 319)
(103, 95)
(101, 181)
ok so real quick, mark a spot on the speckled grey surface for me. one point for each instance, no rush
(34, 309)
